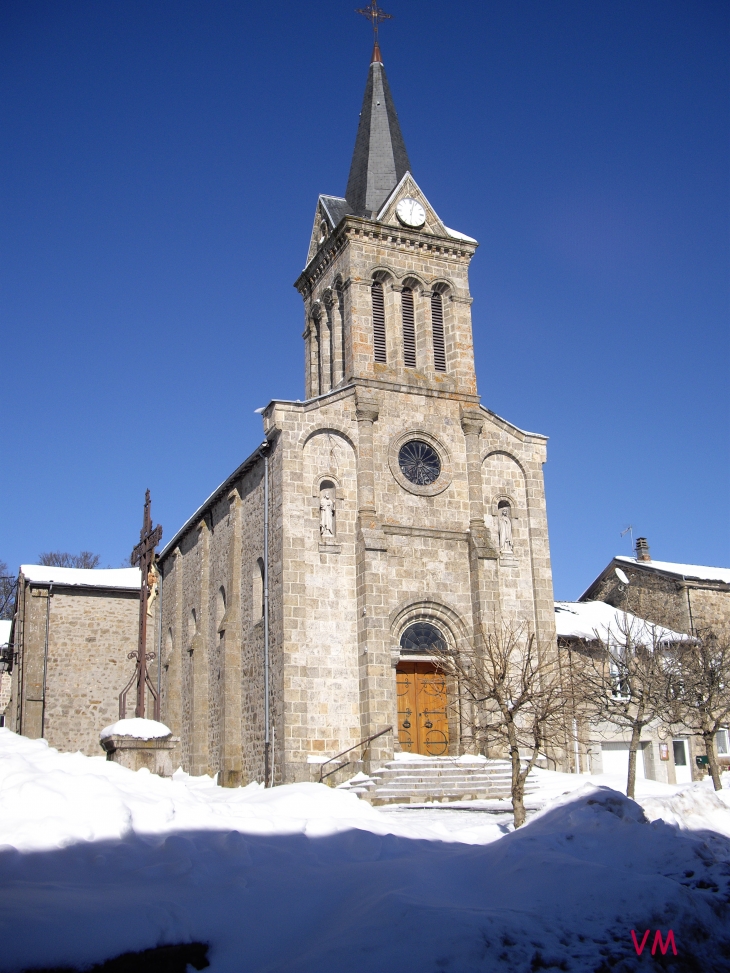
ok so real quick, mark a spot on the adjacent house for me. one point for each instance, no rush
(685, 597)
(73, 631)
(603, 747)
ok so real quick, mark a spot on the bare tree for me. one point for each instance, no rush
(8, 584)
(62, 559)
(507, 687)
(699, 697)
(622, 678)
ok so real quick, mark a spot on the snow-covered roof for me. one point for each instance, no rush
(83, 577)
(591, 620)
(5, 625)
(459, 236)
(697, 572)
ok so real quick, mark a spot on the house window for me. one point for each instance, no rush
(721, 742)
(379, 354)
(680, 753)
(409, 328)
(437, 324)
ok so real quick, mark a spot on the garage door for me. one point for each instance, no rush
(616, 760)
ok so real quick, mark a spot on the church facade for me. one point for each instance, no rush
(386, 516)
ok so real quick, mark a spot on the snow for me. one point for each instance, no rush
(595, 619)
(136, 727)
(96, 860)
(5, 626)
(459, 236)
(83, 577)
(697, 572)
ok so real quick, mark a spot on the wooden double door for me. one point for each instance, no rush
(423, 724)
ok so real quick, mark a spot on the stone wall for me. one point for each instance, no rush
(91, 631)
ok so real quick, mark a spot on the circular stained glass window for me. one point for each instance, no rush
(419, 462)
(422, 637)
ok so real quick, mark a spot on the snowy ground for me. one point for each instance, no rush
(96, 860)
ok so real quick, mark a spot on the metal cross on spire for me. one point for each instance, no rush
(374, 15)
(143, 555)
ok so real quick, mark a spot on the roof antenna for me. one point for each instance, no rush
(374, 15)
(630, 531)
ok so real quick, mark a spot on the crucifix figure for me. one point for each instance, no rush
(374, 15)
(143, 556)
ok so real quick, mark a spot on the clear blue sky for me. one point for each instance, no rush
(160, 165)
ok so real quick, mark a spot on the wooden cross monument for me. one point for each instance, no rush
(143, 555)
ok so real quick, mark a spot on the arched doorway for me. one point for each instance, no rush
(423, 723)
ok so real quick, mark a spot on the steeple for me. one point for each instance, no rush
(380, 160)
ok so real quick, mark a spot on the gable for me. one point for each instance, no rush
(330, 210)
(409, 188)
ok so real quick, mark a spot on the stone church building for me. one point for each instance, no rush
(387, 514)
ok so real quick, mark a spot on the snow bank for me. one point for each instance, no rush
(96, 860)
(136, 727)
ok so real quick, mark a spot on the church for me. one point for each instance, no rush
(386, 516)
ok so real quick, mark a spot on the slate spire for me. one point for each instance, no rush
(380, 160)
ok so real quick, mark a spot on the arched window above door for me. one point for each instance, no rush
(422, 638)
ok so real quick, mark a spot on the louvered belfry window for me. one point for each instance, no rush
(437, 322)
(378, 322)
(409, 328)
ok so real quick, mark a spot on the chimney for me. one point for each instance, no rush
(642, 549)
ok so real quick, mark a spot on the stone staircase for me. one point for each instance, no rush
(422, 779)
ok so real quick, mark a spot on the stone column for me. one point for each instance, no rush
(333, 344)
(232, 756)
(378, 708)
(367, 413)
(172, 715)
(482, 554)
(307, 335)
(200, 753)
(472, 424)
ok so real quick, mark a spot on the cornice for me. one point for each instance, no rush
(396, 237)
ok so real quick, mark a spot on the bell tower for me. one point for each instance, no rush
(385, 288)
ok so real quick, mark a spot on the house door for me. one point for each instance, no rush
(423, 725)
(682, 766)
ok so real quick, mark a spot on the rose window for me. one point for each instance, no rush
(419, 462)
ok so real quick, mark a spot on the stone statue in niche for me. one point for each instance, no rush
(326, 515)
(504, 525)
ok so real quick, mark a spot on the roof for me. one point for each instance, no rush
(593, 620)
(695, 572)
(225, 485)
(127, 578)
(380, 159)
(5, 626)
(336, 208)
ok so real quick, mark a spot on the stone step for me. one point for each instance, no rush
(441, 779)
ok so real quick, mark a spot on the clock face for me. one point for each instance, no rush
(410, 212)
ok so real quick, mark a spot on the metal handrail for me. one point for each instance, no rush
(349, 750)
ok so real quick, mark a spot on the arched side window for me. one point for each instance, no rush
(193, 624)
(437, 325)
(257, 590)
(379, 353)
(409, 328)
(220, 607)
